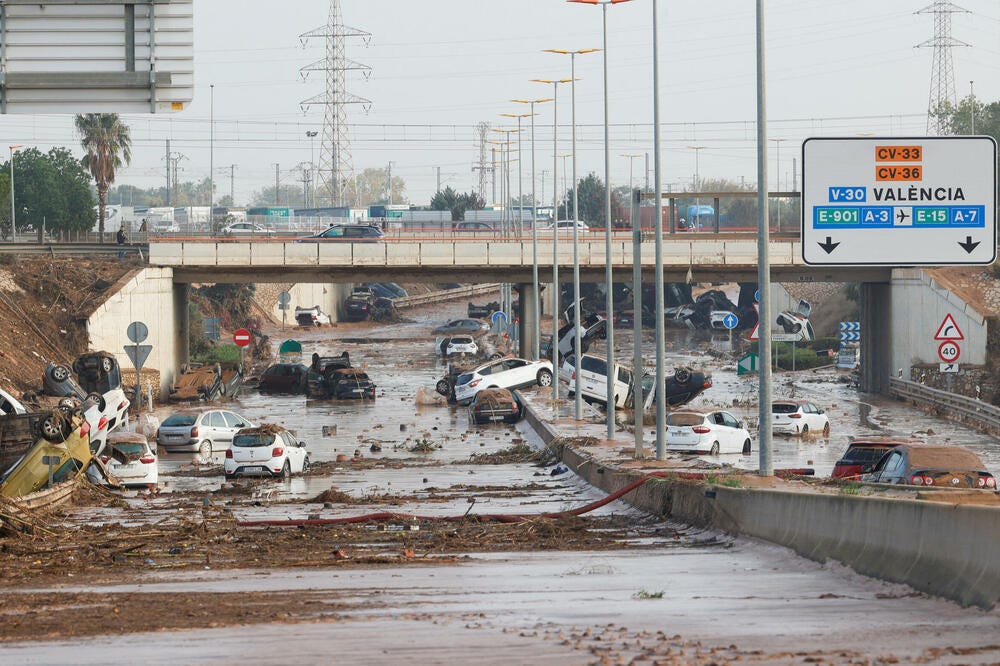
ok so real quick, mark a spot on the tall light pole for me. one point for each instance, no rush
(766, 465)
(520, 175)
(578, 410)
(312, 134)
(534, 229)
(630, 157)
(211, 153)
(661, 379)
(13, 227)
(555, 238)
(608, 277)
(972, 104)
(777, 176)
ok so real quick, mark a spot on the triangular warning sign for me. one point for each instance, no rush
(949, 330)
(755, 333)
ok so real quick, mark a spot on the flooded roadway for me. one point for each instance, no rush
(687, 596)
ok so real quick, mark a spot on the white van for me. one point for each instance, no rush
(594, 379)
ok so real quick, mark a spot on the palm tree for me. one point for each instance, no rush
(109, 147)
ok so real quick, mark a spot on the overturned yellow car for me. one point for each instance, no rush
(48, 463)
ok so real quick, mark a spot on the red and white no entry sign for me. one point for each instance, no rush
(949, 351)
(241, 338)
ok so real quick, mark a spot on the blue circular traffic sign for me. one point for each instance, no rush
(730, 321)
(499, 316)
(756, 296)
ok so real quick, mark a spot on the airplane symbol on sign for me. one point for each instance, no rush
(901, 216)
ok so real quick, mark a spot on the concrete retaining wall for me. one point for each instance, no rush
(942, 549)
(146, 296)
(329, 297)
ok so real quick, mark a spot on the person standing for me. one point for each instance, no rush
(122, 239)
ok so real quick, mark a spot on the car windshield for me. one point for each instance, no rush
(177, 420)
(461, 341)
(784, 408)
(130, 449)
(252, 440)
(860, 455)
(684, 419)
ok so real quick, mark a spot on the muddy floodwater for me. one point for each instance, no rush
(183, 578)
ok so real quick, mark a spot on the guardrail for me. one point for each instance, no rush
(446, 295)
(75, 249)
(949, 403)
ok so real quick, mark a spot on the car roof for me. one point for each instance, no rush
(942, 457)
(792, 402)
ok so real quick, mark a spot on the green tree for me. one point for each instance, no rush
(591, 200)
(51, 190)
(371, 188)
(288, 194)
(109, 147)
(449, 199)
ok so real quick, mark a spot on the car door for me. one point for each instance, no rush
(889, 468)
(233, 424)
(333, 233)
(733, 434)
(214, 428)
(516, 373)
(594, 377)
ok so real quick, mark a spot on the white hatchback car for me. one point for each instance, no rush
(798, 417)
(508, 373)
(459, 345)
(266, 451)
(712, 433)
(129, 458)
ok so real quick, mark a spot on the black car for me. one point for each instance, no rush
(284, 378)
(364, 233)
(58, 382)
(683, 386)
(98, 372)
(482, 311)
(319, 378)
(352, 384)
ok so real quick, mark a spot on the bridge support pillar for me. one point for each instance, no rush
(526, 320)
(876, 336)
(182, 332)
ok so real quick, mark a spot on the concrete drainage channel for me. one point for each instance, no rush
(938, 548)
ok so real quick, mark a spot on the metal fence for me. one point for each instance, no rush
(950, 404)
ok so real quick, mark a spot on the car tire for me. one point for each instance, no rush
(53, 428)
(714, 451)
(682, 376)
(747, 447)
(544, 377)
(443, 387)
(796, 327)
(60, 373)
(205, 451)
(286, 470)
(306, 464)
(826, 429)
(107, 365)
(805, 429)
(98, 400)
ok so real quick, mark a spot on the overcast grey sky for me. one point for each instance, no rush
(441, 66)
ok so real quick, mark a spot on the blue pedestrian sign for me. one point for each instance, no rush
(730, 321)
(499, 317)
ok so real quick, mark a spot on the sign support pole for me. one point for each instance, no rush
(766, 466)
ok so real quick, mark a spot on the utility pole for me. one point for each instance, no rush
(388, 183)
(232, 184)
(167, 158)
(277, 190)
(943, 67)
(541, 196)
(439, 179)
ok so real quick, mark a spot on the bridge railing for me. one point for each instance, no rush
(949, 404)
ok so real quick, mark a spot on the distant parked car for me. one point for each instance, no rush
(862, 455)
(459, 344)
(204, 432)
(313, 316)
(937, 466)
(508, 373)
(284, 378)
(269, 450)
(712, 433)
(798, 417)
(482, 311)
(246, 229)
(364, 233)
(492, 405)
(129, 458)
(481, 227)
(472, 326)
(565, 228)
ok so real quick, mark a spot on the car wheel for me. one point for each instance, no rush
(286, 470)
(805, 429)
(205, 451)
(796, 327)
(67, 404)
(544, 378)
(826, 429)
(306, 465)
(60, 373)
(443, 387)
(682, 376)
(107, 365)
(98, 400)
(54, 428)
(715, 449)
(747, 447)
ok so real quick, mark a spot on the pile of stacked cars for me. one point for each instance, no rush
(206, 382)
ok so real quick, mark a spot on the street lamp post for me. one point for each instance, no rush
(661, 380)
(13, 227)
(534, 229)
(555, 239)
(520, 175)
(211, 154)
(609, 296)
(697, 184)
(578, 410)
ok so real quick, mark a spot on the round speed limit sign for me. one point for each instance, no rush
(949, 351)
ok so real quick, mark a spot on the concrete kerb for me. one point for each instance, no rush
(942, 549)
